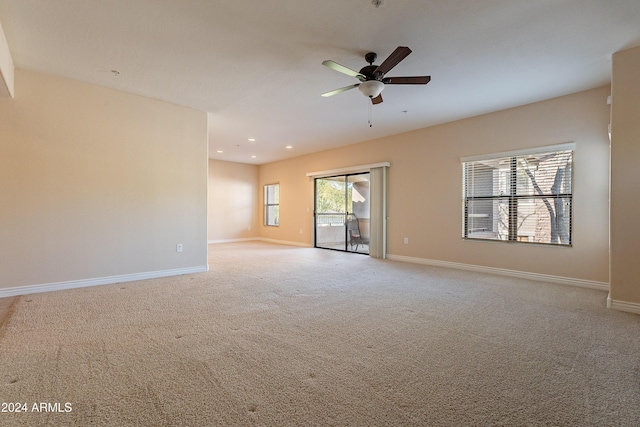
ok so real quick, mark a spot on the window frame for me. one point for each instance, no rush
(271, 205)
(514, 195)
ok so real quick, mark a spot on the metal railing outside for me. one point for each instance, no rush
(331, 219)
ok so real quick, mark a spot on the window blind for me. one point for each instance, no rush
(525, 197)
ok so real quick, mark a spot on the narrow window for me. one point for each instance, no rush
(272, 204)
(519, 196)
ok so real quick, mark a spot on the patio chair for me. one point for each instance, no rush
(355, 237)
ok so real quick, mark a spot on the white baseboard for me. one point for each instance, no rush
(285, 242)
(601, 286)
(245, 239)
(630, 307)
(262, 239)
(58, 286)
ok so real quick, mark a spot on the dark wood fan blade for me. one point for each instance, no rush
(416, 80)
(392, 60)
(342, 69)
(376, 100)
(342, 89)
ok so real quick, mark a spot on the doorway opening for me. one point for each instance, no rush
(342, 213)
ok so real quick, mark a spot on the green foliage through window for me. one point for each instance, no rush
(330, 195)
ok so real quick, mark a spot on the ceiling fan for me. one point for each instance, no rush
(372, 77)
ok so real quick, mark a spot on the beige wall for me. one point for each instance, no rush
(424, 186)
(625, 177)
(97, 183)
(233, 201)
(296, 199)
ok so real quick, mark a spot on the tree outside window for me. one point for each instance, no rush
(523, 197)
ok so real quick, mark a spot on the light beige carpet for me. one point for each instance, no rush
(277, 336)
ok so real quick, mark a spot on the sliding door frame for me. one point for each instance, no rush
(378, 208)
(348, 210)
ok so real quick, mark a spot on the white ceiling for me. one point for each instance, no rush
(255, 66)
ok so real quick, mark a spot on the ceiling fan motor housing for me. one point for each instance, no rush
(368, 72)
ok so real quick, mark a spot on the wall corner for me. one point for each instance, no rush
(6, 68)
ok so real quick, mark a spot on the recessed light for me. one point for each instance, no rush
(252, 140)
(219, 151)
(253, 157)
(289, 147)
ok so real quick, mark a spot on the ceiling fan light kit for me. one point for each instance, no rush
(371, 88)
(372, 77)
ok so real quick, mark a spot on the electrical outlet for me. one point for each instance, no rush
(179, 247)
(406, 240)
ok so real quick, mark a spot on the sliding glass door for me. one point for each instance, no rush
(342, 206)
